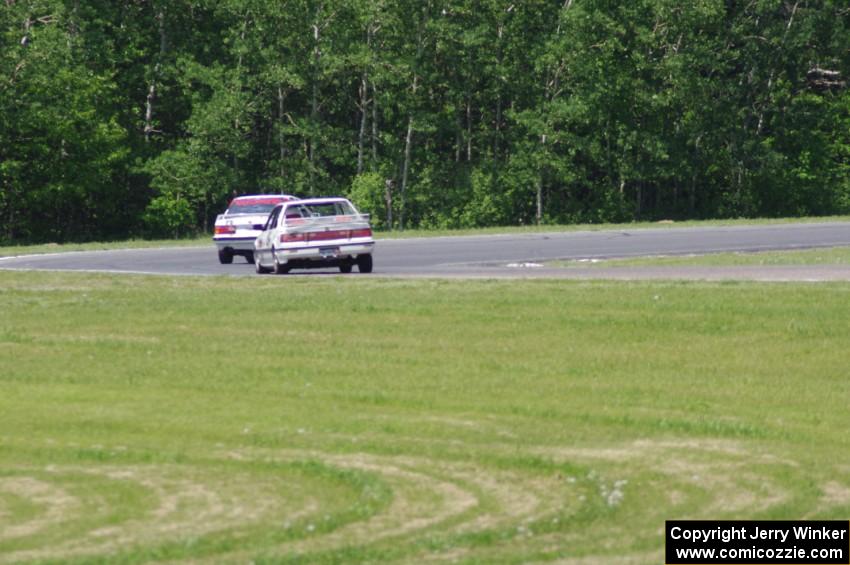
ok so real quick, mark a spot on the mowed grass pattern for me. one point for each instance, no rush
(346, 419)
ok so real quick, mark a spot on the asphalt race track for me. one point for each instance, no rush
(500, 256)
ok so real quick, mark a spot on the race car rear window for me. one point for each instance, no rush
(254, 205)
(319, 210)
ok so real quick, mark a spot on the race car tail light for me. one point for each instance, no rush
(365, 232)
(325, 235)
(225, 230)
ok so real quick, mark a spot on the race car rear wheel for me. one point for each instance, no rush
(249, 256)
(279, 269)
(364, 263)
(225, 256)
(345, 267)
(260, 269)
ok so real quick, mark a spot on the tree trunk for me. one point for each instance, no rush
(657, 205)
(692, 197)
(458, 136)
(539, 184)
(314, 103)
(364, 105)
(151, 97)
(408, 142)
(149, 111)
(498, 127)
(538, 216)
(760, 123)
(388, 198)
(551, 91)
(9, 200)
(498, 122)
(281, 96)
(374, 126)
(468, 131)
(73, 27)
(639, 200)
(236, 155)
(364, 111)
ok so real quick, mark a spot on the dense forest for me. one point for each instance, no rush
(143, 117)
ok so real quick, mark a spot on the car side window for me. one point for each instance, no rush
(272, 221)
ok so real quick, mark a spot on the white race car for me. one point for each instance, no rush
(316, 232)
(238, 227)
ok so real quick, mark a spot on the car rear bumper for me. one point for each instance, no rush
(327, 252)
(235, 243)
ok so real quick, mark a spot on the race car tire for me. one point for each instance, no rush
(249, 256)
(225, 256)
(279, 269)
(260, 269)
(345, 267)
(364, 263)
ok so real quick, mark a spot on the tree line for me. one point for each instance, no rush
(144, 117)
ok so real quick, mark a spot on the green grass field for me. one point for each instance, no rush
(818, 256)
(16, 250)
(346, 419)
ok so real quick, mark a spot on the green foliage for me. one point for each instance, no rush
(168, 215)
(367, 194)
(186, 181)
(61, 143)
(483, 208)
(592, 110)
